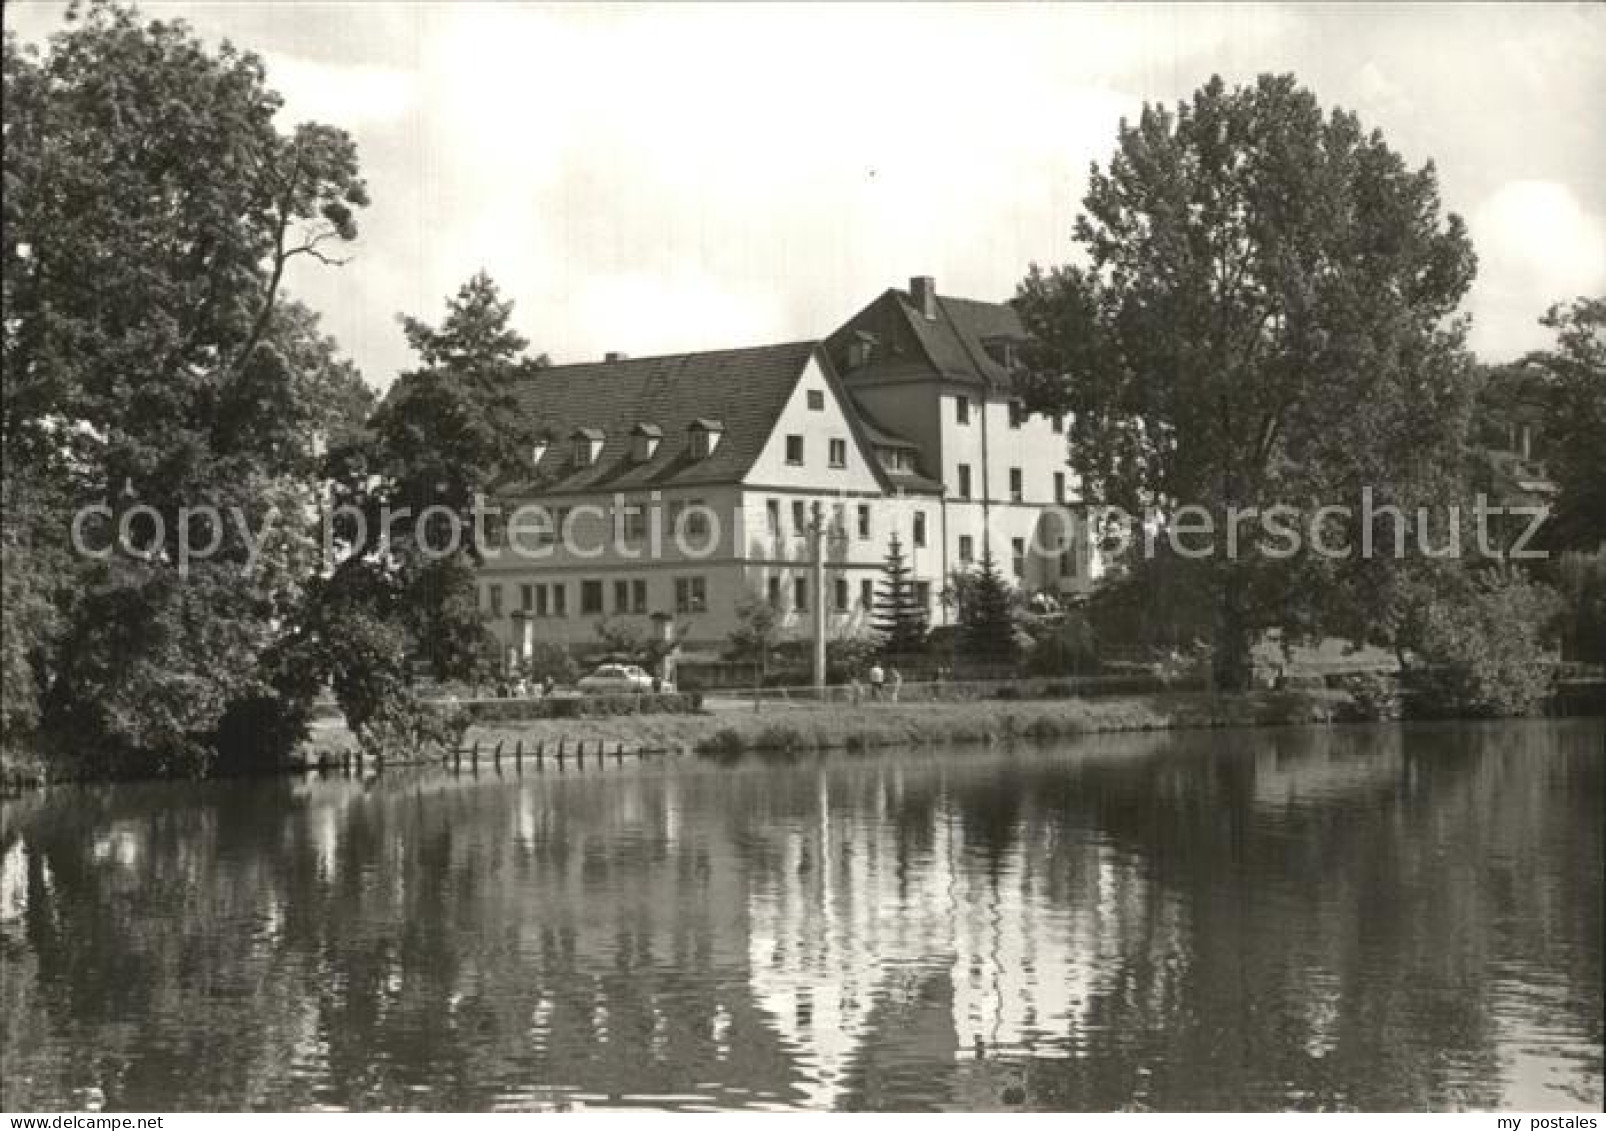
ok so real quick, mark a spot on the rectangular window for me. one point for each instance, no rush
(540, 601)
(1017, 488)
(967, 549)
(634, 523)
(794, 450)
(638, 596)
(816, 400)
(923, 594)
(964, 481)
(839, 520)
(1059, 486)
(839, 453)
(527, 598)
(772, 513)
(961, 410)
(774, 594)
(864, 521)
(560, 600)
(582, 452)
(691, 594)
(800, 517)
(494, 594)
(1017, 556)
(842, 597)
(1017, 414)
(920, 528)
(800, 593)
(688, 518)
(590, 598)
(867, 593)
(621, 596)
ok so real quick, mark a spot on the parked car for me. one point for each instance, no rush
(619, 679)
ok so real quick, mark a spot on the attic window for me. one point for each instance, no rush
(538, 451)
(587, 446)
(860, 350)
(704, 436)
(644, 440)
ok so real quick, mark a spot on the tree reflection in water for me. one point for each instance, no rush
(1350, 918)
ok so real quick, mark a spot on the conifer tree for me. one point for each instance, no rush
(986, 618)
(899, 619)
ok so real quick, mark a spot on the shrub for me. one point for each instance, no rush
(1483, 655)
(1373, 696)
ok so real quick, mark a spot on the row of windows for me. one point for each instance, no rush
(841, 593)
(1017, 484)
(1017, 414)
(1017, 556)
(551, 599)
(863, 525)
(836, 451)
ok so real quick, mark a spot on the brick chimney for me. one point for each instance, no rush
(923, 289)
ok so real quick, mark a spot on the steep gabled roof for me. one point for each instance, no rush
(743, 390)
(953, 345)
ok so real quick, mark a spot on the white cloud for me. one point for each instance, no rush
(347, 96)
(1536, 245)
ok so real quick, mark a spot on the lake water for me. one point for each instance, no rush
(1389, 918)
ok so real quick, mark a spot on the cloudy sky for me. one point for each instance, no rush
(655, 179)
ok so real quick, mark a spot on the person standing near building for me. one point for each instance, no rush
(894, 683)
(877, 679)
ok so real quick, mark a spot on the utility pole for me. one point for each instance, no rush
(817, 546)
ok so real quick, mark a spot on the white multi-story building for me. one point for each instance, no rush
(679, 486)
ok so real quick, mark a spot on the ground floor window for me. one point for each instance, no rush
(867, 592)
(1017, 556)
(590, 598)
(560, 600)
(638, 596)
(800, 593)
(774, 592)
(493, 596)
(923, 594)
(842, 599)
(621, 596)
(691, 594)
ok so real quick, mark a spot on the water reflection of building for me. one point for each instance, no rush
(855, 923)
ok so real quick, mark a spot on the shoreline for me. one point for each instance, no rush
(730, 728)
(733, 728)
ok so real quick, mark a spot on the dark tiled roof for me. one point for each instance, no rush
(877, 433)
(954, 344)
(741, 391)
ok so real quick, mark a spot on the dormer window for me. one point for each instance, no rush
(860, 350)
(587, 445)
(704, 436)
(538, 450)
(644, 441)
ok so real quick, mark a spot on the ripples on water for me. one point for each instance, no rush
(1346, 918)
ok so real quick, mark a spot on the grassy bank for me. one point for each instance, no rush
(738, 729)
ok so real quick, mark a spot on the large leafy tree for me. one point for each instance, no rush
(151, 359)
(445, 436)
(1573, 383)
(1264, 314)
